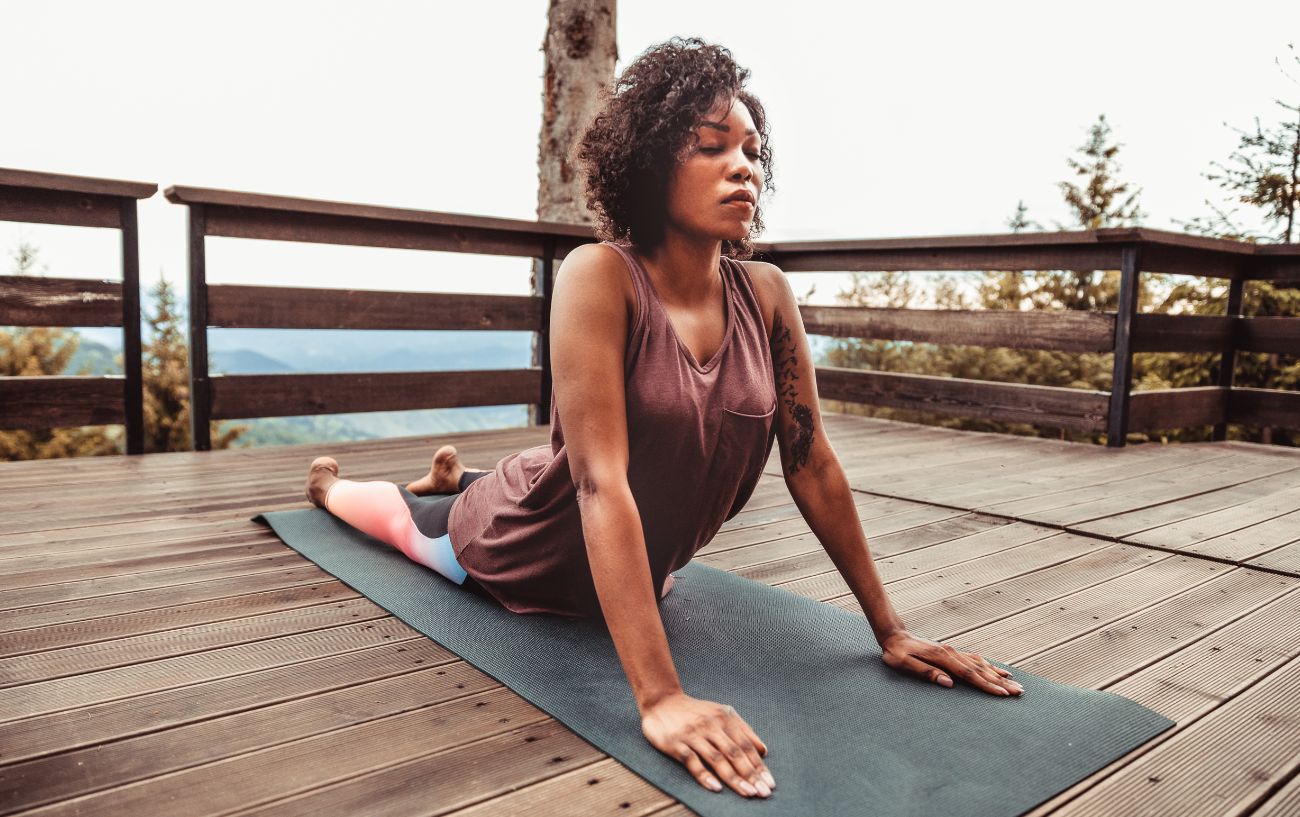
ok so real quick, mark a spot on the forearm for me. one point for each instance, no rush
(620, 569)
(821, 492)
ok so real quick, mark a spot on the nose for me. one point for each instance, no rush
(740, 169)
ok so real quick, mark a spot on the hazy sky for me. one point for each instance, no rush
(887, 119)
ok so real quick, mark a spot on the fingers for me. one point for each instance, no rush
(688, 758)
(943, 664)
(751, 767)
(721, 754)
(974, 670)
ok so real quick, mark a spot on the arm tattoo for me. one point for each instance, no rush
(784, 362)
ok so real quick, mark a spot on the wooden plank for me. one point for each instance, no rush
(1121, 647)
(393, 686)
(60, 401)
(179, 194)
(1276, 334)
(529, 239)
(113, 563)
(51, 621)
(1121, 380)
(300, 308)
(27, 300)
(1157, 332)
(1162, 409)
(1056, 481)
(1112, 496)
(69, 591)
(132, 350)
(1284, 803)
(159, 622)
(1208, 527)
(995, 587)
(76, 691)
(73, 209)
(36, 180)
(1199, 678)
(370, 744)
(1078, 409)
(102, 723)
(1285, 559)
(1222, 764)
(277, 395)
(1086, 610)
(1129, 524)
(1071, 331)
(1264, 407)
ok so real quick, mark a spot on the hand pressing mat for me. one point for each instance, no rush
(846, 735)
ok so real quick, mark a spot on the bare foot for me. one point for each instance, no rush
(668, 585)
(444, 475)
(321, 474)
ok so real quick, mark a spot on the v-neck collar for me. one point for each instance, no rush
(727, 306)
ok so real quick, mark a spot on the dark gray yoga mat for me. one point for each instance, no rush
(845, 734)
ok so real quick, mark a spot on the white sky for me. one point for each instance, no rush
(888, 119)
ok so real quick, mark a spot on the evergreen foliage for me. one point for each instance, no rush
(166, 381)
(1098, 201)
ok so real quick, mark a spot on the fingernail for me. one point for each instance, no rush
(768, 779)
(763, 789)
(713, 784)
(748, 788)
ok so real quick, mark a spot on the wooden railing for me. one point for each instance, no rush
(1122, 333)
(34, 403)
(244, 215)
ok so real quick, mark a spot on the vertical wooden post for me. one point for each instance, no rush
(133, 385)
(200, 395)
(1121, 378)
(1228, 359)
(543, 284)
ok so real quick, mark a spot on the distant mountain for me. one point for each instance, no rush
(247, 361)
(94, 358)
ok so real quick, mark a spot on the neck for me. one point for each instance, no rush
(688, 266)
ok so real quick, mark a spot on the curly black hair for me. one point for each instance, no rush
(648, 117)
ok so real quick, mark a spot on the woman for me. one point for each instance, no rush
(656, 449)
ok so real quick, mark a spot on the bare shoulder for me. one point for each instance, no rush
(597, 269)
(771, 286)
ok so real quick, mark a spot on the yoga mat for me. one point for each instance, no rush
(846, 735)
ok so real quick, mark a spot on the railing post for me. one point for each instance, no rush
(133, 385)
(200, 395)
(1228, 359)
(543, 283)
(1122, 375)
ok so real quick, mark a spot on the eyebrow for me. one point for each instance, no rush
(724, 127)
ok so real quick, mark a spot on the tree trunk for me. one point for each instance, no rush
(580, 50)
(580, 53)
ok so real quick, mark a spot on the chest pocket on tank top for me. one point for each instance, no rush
(744, 445)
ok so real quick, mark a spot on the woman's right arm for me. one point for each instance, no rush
(588, 337)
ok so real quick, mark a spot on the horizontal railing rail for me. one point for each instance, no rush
(34, 403)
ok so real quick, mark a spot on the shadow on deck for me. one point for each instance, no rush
(162, 652)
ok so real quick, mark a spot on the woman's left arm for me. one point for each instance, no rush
(820, 489)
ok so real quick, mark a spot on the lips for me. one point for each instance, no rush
(740, 195)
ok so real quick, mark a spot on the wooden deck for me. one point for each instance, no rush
(162, 654)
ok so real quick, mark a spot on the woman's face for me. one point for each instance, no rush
(721, 162)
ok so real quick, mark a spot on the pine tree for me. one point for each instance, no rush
(166, 381)
(43, 351)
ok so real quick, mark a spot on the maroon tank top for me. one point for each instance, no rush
(698, 438)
